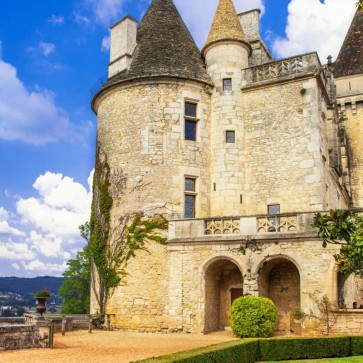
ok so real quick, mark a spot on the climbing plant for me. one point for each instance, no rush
(112, 248)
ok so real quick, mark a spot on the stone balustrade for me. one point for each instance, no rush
(279, 70)
(257, 225)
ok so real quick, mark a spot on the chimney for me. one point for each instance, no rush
(123, 41)
(250, 21)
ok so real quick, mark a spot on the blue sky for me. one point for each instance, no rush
(51, 55)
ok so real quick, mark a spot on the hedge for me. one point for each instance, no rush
(357, 345)
(246, 351)
(253, 350)
(306, 348)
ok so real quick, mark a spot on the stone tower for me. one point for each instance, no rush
(231, 146)
(226, 52)
(348, 72)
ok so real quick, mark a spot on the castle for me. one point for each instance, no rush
(234, 147)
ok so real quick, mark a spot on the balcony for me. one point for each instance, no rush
(284, 225)
(289, 68)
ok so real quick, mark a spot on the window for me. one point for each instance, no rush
(190, 115)
(273, 209)
(190, 197)
(274, 221)
(227, 84)
(230, 137)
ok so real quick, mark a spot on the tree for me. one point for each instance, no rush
(344, 228)
(75, 289)
(327, 315)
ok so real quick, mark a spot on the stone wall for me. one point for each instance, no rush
(16, 336)
(284, 146)
(141, 131)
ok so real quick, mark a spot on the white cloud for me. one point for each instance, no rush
(313, 25)
(62, 206)
(199, 25)
(49, 245)
(46, 48)
(106, 43)
(56, 20)
(11, 250)
(106, 11)
(32, 116)
(15, 266)
(81, 19)
(43, 48)
(41, 267)
(6, 229)
(4, 214)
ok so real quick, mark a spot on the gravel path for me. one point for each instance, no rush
(112, 347)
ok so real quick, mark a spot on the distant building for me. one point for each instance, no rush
(232, 146)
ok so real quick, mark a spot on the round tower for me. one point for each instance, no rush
(226, 53)
(153, 147)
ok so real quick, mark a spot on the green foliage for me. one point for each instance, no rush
(304, 348)
(274, 349)
(253, 317)
(298, 314)
(43, 293)
(230, 352)
(75, 289)
(345, 228)
(357, 345)
(110, 251)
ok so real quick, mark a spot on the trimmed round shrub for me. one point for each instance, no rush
(253, 317)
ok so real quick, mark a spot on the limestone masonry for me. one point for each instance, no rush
(231, 146)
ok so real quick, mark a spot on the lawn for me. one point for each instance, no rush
(330, 360)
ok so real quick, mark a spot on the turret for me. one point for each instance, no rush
(226, 53)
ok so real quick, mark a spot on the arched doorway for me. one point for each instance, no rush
(223, 283)
(350, 291)
(279, 280)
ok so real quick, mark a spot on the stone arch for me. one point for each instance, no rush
(222, 281)
(279, 280)
(350, 291)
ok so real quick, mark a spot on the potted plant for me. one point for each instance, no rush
(41, 297)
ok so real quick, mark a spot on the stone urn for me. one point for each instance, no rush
(41, 305)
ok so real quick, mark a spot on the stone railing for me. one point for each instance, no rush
(289, 67)
(277, 224)
(222, 226)
(257, 225)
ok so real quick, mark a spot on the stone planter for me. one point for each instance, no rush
(41, 305)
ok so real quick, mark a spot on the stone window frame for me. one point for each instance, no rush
(227, 84)
(191, 119)
(190, 193)
(231, 132)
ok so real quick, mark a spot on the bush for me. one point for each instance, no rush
(304, 348)
(253, 317)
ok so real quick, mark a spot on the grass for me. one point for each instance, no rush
(327, 360)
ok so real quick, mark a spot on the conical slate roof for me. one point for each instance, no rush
(165, 47)
(226, 25)
(350, 58)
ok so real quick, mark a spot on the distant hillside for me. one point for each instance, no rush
(29, 286)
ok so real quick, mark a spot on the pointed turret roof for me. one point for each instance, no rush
(226, 25)
(165, 47)
(350, 58)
